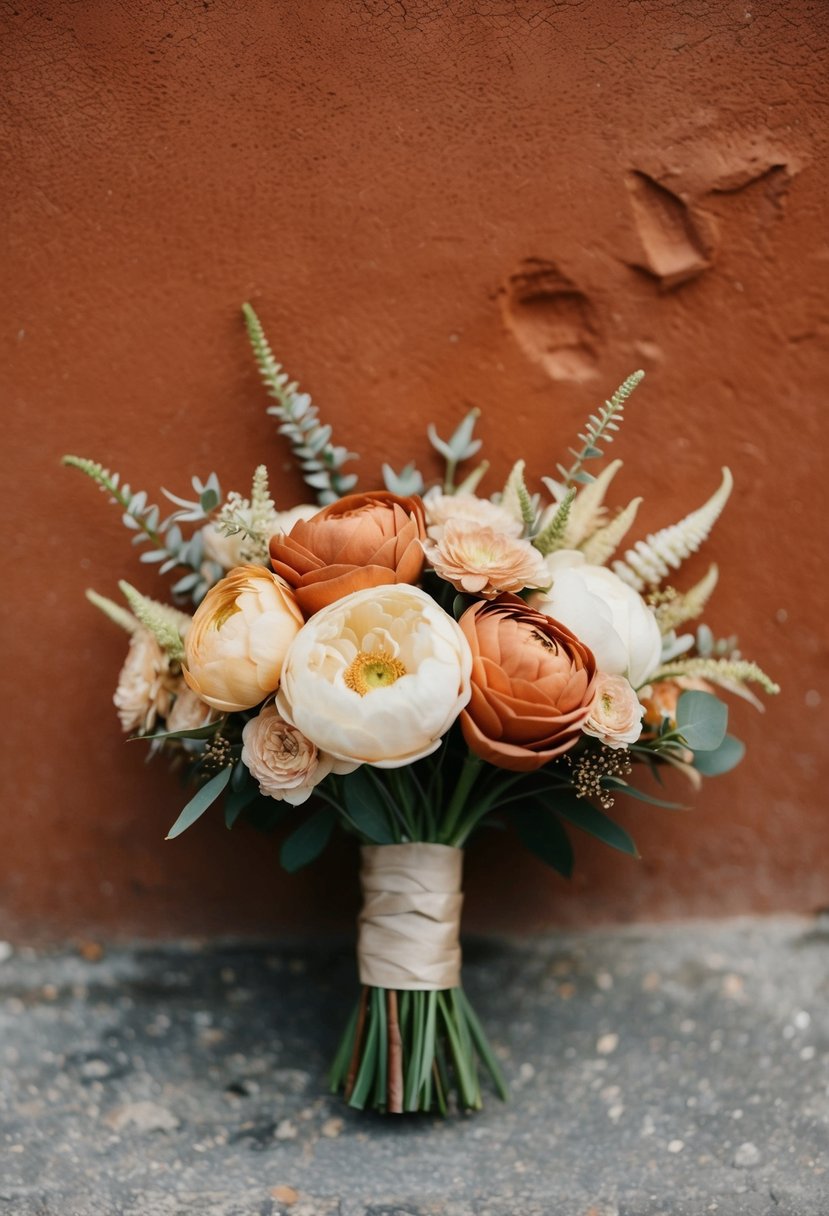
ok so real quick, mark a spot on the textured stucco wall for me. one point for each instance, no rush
(505, 204)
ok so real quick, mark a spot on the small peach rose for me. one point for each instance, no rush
(615, 716)
(145, 686)
(286, 764)
(480, 561)
(360, 541)
(532, 685)
(240, 634)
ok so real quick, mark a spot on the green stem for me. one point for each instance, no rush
(454, 812)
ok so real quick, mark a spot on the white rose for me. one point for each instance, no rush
(377, 677)
(603, 612)
(616, 715)
(286, 764)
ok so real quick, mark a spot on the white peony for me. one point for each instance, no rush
(286, 764)
(146, 685)
(615, 716)
(377, 677)
(603, 612)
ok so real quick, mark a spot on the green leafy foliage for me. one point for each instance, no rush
(198, 804)
(320, 460)
(307, 841)
(701, 720)
(720, 759)
(541, 832)
(366, 807)
(590, 819)
(600, 429)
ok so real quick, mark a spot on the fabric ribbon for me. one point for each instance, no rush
(410, 920)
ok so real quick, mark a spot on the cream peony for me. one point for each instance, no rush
(377, 677)
(229, 551)
(240, 632)
(615, 716)
(145, 685)
(605, 613)
(286, 764)
(480, 561)
(467, 508)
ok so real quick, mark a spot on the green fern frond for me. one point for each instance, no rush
(319, 460)
(600, 429)
(165, 623)
(551, 537)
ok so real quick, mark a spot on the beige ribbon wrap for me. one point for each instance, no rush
(410, 920)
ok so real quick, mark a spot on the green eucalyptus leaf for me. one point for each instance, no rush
(366, 807)
(306, 843)
(199, 803)
(541, 832)
(701, 720)
(197, 732)
(721, 759)
(590, 819)
(611, 783)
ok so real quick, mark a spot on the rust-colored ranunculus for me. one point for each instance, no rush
(361, 541)
(532, 685)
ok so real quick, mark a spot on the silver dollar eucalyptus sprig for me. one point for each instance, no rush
(320, 460)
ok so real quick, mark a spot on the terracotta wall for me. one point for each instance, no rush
(502, 203)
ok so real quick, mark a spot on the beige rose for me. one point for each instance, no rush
(286, 764)
(480, 561)
(615, 716)
(240, 634)
(145, 686)
(467, 508)
(189, 711)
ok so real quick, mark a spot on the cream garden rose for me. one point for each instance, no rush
(286, 764)
(377, 677)
(605, 613)
(615, 716)
(189, 711)
(238, 639)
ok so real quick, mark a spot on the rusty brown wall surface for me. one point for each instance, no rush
(511, 205)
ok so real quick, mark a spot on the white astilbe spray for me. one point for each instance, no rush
(118, 615)
(604, 542)
(651, 560)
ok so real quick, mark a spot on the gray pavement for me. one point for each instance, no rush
(668, 1071)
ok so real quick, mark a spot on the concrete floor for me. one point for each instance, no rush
(669, 1071)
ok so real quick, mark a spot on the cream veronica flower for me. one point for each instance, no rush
(480, 561)
(377, 677)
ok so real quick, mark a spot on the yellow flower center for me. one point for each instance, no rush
(369, 671)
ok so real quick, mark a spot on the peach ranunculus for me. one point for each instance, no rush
(360, 541)
(467, 508)
(145, 685)
(240, 634)
(615, 716)
(480, 561)
(286, 764)
(532, 685)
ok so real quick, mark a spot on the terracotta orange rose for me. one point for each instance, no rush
(361, 541)
(532, 685)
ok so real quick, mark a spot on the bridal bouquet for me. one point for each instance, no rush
(410, 664)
